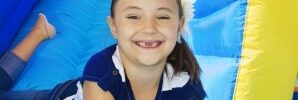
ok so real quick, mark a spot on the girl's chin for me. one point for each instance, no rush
(150, 61)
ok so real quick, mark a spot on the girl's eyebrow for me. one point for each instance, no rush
(166, 9)
(131, 7)
(138, 8)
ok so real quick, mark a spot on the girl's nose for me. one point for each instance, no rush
(149, 26)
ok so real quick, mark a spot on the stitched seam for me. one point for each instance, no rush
(64, 87)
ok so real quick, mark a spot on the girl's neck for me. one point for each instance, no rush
(144, 80)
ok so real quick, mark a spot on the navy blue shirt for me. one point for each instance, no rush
(101, 69)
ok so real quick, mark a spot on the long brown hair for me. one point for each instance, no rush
(181, 58)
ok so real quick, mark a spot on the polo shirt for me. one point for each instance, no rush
(106, 69)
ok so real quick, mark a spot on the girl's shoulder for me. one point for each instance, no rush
(179, 86)
(194, 89)
(100, 68)
(190, 91)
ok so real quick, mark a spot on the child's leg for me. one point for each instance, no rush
(12, 63)
(41, 31)
(61, 91)
(10, 67)
(26, 95)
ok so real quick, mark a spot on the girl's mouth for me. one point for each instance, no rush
(148, 44)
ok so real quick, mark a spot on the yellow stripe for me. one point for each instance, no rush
(269, 63)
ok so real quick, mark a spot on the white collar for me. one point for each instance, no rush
(170, 81)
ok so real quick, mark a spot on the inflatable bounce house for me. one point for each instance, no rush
(247, 48)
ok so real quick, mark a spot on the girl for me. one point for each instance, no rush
(151, 59)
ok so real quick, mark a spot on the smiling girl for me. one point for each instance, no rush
(150, 61)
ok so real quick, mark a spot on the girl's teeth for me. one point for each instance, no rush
(147, 44)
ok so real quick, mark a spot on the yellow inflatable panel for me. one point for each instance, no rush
(269, 63)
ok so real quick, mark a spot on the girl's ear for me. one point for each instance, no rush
(112, 26)
(181, 24)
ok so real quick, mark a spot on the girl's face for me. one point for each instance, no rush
(146, 30)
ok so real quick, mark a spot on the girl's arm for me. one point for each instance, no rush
(91, 91)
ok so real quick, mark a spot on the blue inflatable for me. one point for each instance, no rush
(13, 15)
(81, 32)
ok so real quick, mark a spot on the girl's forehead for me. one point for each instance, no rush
(123, 4)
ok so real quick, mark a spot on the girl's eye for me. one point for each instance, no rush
(163, 18)
(133, 17)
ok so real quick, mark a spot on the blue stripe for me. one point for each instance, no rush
(217, 41)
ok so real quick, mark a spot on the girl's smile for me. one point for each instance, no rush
(148, 44)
